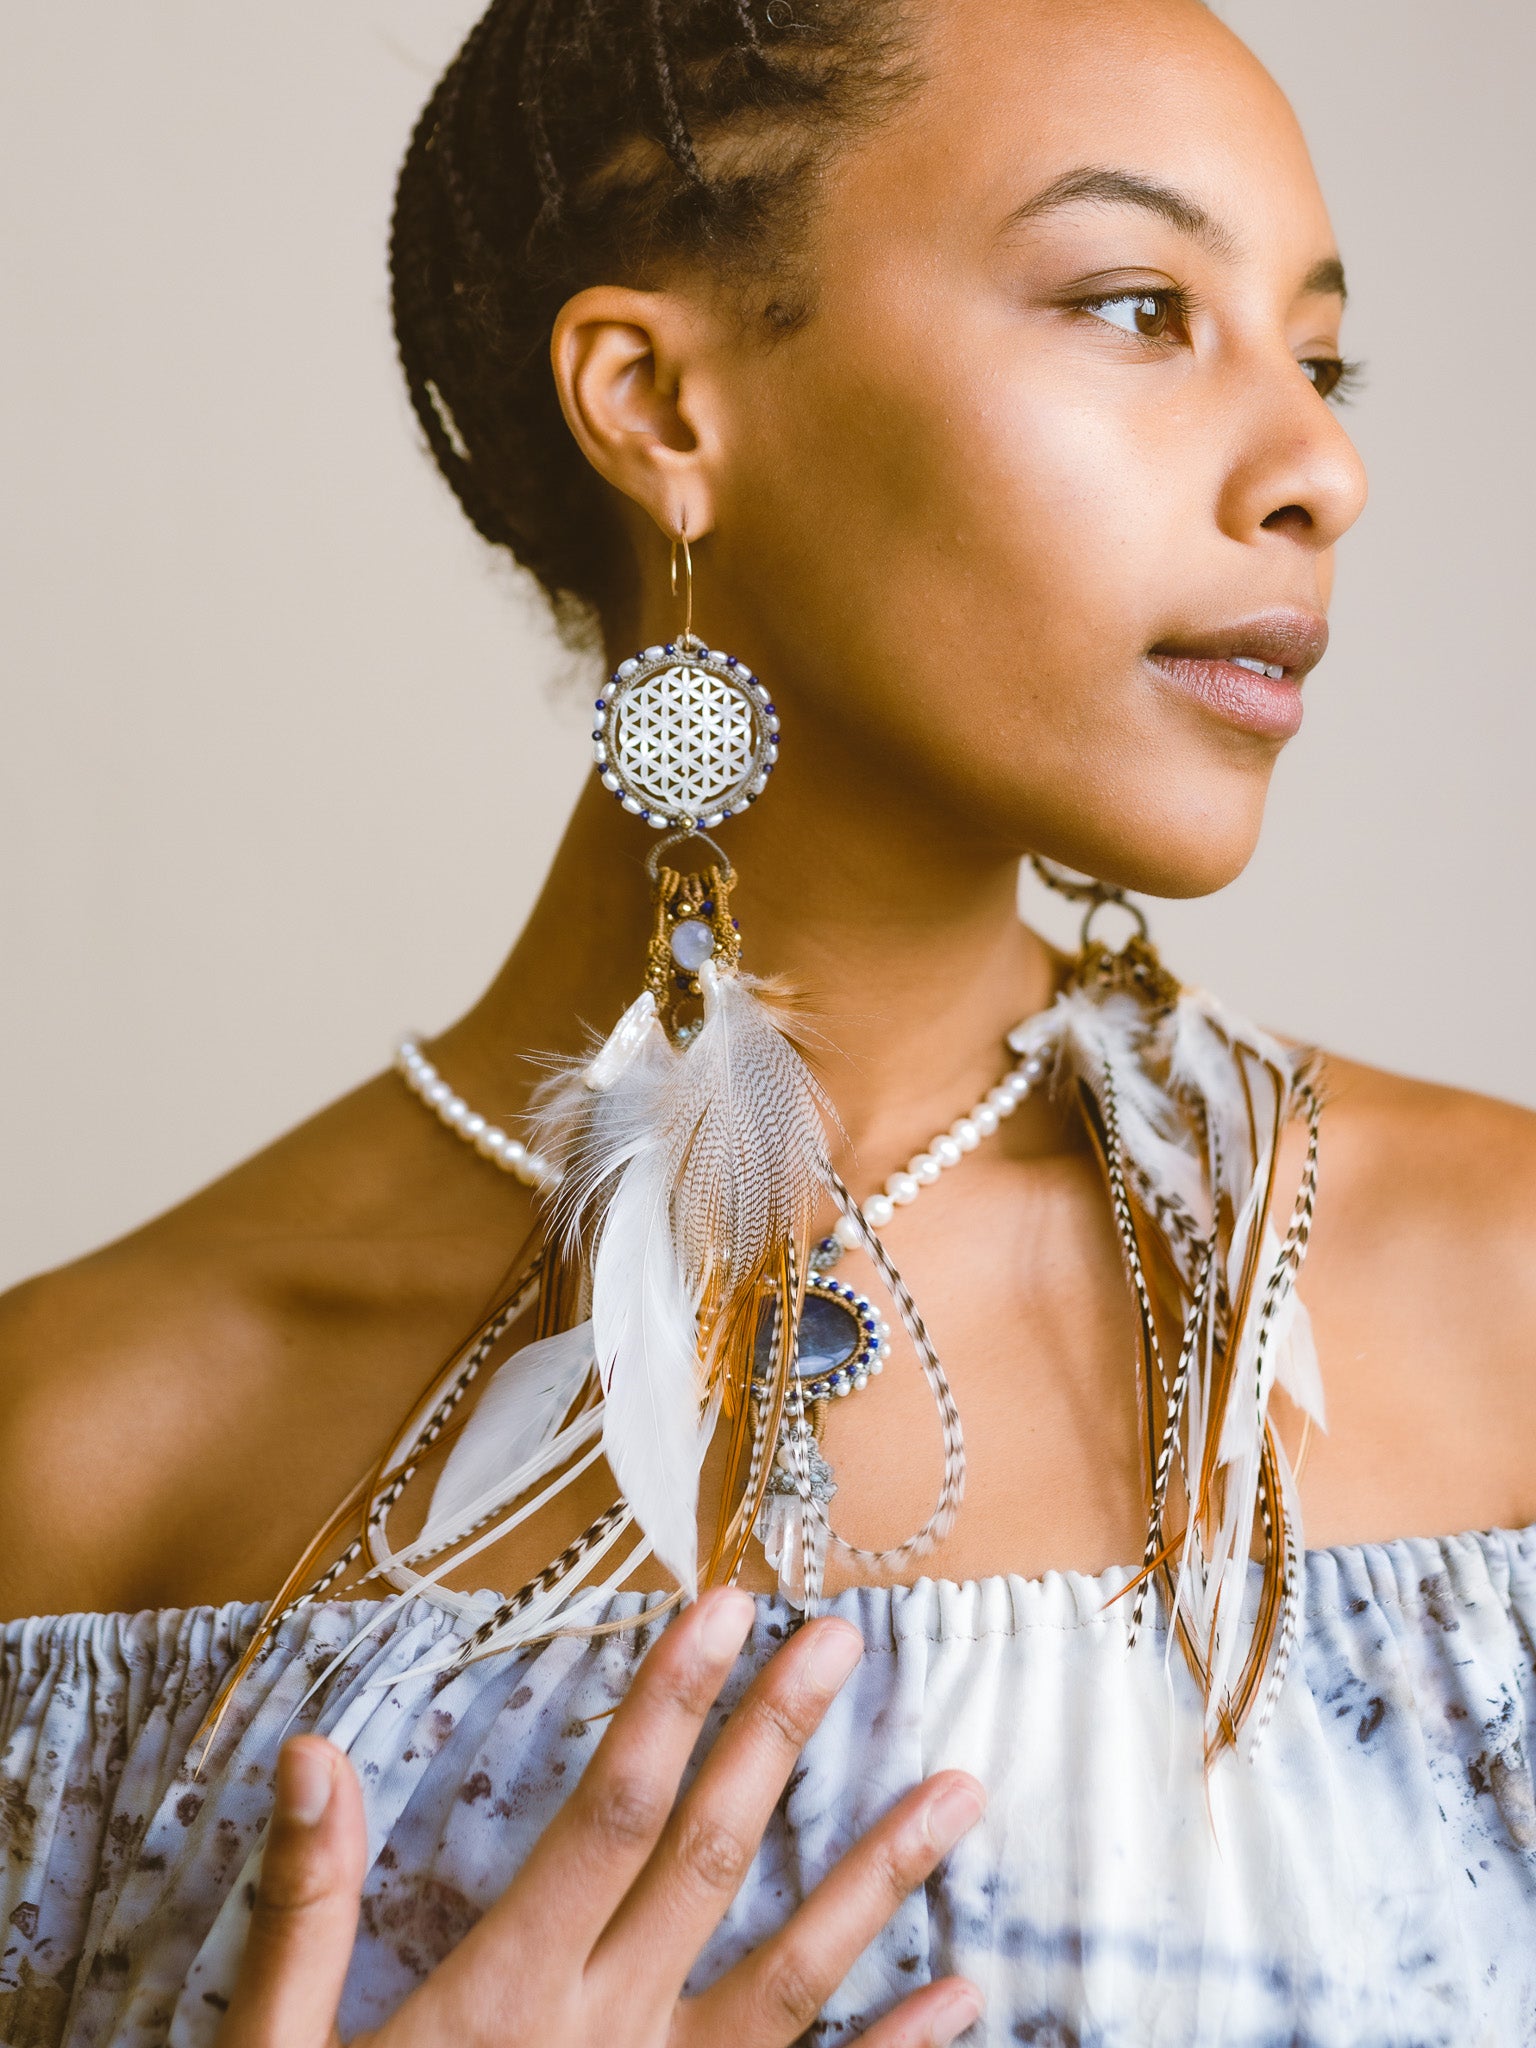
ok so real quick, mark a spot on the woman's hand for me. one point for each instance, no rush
(593, 1939)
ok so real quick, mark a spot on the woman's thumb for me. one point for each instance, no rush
(305, 1916)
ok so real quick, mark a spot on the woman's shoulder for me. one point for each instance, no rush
(1421, 1279)
(228, 1368)
(1414, 1158)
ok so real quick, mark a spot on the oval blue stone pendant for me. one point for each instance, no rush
(842, 1343)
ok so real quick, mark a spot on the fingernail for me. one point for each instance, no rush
(304, 1782)
(832, 1656)
(947, 1817)
(726, 1624)
(963, 2007)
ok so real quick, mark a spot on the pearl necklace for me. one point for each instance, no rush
(944, 1150)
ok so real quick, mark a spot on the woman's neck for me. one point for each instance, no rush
(902, 945)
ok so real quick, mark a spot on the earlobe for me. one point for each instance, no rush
(621, 363)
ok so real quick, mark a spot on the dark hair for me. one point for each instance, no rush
(575, 142)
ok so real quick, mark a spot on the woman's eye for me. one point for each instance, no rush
(1148, 314)
(1332, 377)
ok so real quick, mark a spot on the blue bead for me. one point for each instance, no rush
(602, 704)
(769, 707)
(731, 661)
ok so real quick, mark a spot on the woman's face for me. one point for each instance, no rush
(1052, 449)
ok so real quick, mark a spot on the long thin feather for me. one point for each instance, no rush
(645, 1331)
(521, 1408)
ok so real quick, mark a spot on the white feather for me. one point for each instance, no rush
(1298, 1371)
(519, 1412)
(636, 1031)
(645, 1331)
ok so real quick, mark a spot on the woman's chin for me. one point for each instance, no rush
(1184, 858)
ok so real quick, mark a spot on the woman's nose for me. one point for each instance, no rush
(1296, 472)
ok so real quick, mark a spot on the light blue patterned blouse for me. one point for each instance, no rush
(1368, 1881)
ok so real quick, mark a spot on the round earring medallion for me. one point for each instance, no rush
(684, 736)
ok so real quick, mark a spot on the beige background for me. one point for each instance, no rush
(284, 752)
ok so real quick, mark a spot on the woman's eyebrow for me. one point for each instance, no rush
(1325, 280)
(1099, 187)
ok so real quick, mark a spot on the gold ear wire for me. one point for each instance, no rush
(681, 541)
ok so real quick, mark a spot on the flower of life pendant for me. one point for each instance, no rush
(683, 736)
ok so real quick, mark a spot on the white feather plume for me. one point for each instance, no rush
(690, 1169)
(515, 1420)
(646, 1334)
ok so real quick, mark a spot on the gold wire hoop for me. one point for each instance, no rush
(681, 541)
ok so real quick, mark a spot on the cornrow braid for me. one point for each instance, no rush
(577, 142)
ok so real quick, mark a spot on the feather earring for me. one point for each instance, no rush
(1186, 1106)
(689, 1157)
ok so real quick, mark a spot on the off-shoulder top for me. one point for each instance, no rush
(1368, 1880)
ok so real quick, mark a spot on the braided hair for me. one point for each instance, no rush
(577, 142)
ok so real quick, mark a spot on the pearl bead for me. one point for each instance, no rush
(489, 1141)
(1003, 1101)
(945, 1150)
(1018, 1085)
(846, 1231)
(437, 1093)
(985, 1118)
(1034, 1066)
(965, 1134)
(878, 1211)
(877, 1363)
(455, 1109)
(902, 1188)
(924, 1169)
(471, 1125)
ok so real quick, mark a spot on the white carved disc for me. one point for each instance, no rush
(684, 736)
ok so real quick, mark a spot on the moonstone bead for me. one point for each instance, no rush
(692, 943)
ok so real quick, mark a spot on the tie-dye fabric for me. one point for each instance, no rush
(1369, 1881)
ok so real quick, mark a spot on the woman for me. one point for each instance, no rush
(981, 355)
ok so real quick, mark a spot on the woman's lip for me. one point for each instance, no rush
(1268, 705)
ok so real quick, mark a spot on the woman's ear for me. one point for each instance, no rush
(628, 367)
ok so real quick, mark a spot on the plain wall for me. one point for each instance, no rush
(285, 752)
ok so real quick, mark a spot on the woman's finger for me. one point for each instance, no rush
(775, 1993)
(304, 1920)
(589, 1855)
(710, 1841)
(930, 2018)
